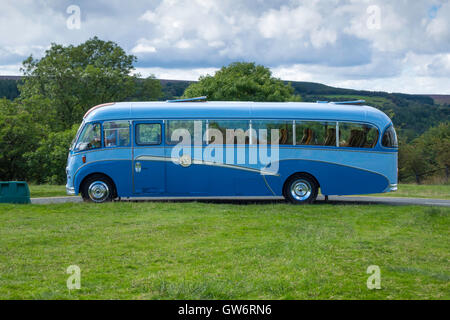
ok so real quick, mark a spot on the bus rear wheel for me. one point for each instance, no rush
(301, 189)
(98, 189)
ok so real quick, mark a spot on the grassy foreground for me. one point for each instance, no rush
(47, 190)
(419, 191)
(193, 250)
(404, 190)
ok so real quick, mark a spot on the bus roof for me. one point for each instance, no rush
(237, 110)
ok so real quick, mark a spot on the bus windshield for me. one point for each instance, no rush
(90, 137)
(72, 144)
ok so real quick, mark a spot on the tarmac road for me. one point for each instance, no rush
(320, 199)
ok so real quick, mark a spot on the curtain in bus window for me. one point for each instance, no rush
(315, 133)
(282, 129)
(116, 133)
(232, 131)
(357, 135)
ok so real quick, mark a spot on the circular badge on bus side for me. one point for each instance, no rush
(185, 160)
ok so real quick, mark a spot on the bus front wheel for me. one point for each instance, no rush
(301, 189)
(97, 188)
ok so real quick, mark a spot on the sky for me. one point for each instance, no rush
(394, 46)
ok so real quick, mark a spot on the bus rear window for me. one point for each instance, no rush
(390, 138)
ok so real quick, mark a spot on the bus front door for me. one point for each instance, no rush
(149, 168)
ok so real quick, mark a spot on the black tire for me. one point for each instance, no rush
(98, 188)
(301, 189)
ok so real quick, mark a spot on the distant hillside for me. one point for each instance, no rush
(10, 78)
(310, 90)
(411, 114)
(173, 89)
(441, 98)
(8, 87)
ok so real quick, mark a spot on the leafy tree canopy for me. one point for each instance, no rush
(19, 134)
(427, 155)
(75, 78)
(148, 89)
(242, 81)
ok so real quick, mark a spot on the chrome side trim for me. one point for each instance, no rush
(152, 158)
(295, 147)
(268, 186)
(207, 163)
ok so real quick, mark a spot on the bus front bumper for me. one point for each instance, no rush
(392, 187)
(70, 191)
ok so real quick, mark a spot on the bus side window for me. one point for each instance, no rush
(263, 130)
(116, 133)
(191, 126)
(315, 133)
(357, 135)
(232, 131)
(148, 134)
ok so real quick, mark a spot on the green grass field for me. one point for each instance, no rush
(191, 250)
(419, 191)
(405, 190)
(47, 190)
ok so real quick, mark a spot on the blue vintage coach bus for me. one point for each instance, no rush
(125, 150)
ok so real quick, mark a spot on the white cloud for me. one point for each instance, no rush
(176, 74)
(10, 69)
(321, 40)
(143, 48)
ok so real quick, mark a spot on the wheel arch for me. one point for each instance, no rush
(299, 173)
(80, 186)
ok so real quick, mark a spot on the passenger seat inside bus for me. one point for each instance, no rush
(357, 139)
(284, 136)
(331, 137)
(354, 138)
(308, 136)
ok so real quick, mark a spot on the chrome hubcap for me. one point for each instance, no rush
(301, 189)
(98, 191)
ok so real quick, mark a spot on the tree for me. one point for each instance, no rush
(412, 163)
(19, 133)
(148, 89)
(241, 81)
(46, 164)
(427, 155)
(75, 78)
(8, 89)
(434, 144)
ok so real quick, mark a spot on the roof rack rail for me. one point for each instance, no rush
(197, 99)
(344, 102)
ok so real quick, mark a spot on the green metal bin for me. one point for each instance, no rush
(14, 192)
